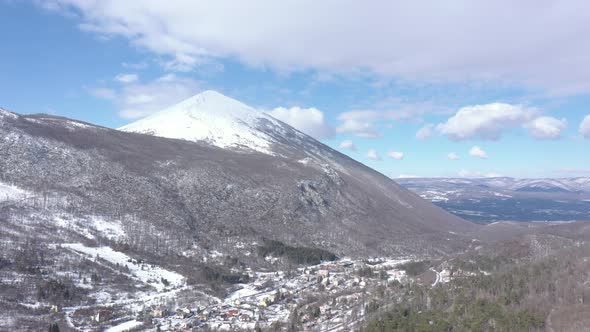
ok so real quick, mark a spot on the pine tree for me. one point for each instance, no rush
(54, 327)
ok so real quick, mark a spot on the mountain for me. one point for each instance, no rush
(503, 198)
(227, 174)
(105, 228)
(213, 118)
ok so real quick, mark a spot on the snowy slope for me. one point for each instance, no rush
(210, 117)
(543, 185)
(147, 273)
(6, 114)
(10, 192)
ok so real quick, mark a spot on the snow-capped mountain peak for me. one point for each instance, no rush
(210, 117)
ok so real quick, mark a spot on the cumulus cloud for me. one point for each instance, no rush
(308, 120)
(373, 155)
(585, 127)
(453, 156)
(366, 123)
(546, 127)
(396, 155)
(136, 100)
(419, 39)
(486, 121)
(359, 123)
(126, 78)
(348, 145)
(425, 132)
(478, 152)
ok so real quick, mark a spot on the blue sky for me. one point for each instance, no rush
(511, 87)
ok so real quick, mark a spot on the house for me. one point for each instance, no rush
(158, 313)
(102, 315)
(324, 273)
(263, 303)
(233, 313)
(245, 318)
(274, 297)
(183, 313)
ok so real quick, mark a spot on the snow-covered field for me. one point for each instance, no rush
(124, 326)
(247, 291)
(111, 229)
(149, 274)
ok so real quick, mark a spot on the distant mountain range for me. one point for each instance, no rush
(503, 198)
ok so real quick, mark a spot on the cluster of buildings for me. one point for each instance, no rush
(329, 292)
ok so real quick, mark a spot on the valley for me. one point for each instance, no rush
(490, 200)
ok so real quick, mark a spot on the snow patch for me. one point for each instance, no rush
(246, 291)
(305, 161)
(124, 326)
(109, 229)
(4, 114)
(147, 273)
(11, 193)
(75, 124)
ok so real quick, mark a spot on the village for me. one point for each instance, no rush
(328, 296)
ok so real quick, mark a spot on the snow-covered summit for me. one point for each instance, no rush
(210, 117)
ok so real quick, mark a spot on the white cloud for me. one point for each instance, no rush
(486, 121)
(546, 127)
(373, 155)
(136, 65)
(453, 156)
(126, 78)
(467, 40)
(425, 132)
(308, 120)
(359, 123)
(396, 155)
(104, 93)
(408, 176)
(478, 152)
(348, 145)
(365, 123)
(585, 127)
(136, 100)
